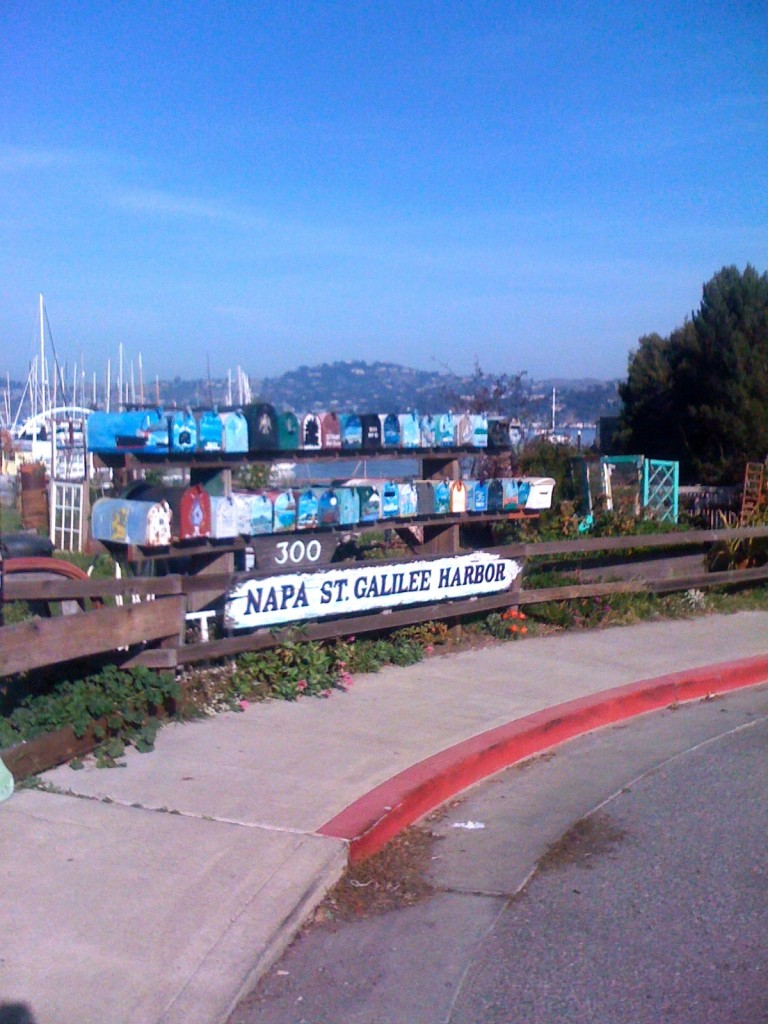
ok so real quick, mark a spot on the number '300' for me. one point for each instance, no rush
(297, 552)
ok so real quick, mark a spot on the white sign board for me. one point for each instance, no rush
(301, 596)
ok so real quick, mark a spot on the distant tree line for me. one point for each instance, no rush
(700, 395)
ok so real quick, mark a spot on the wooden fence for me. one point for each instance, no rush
(148, 626)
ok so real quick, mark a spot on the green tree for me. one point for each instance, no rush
(502, 394)
(647, 417)
(701, 395)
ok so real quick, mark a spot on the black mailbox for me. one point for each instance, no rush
(371, 431)
(262, 427)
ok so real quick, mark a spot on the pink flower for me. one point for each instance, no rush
(243, 704)
(301, 685)
(430, 648)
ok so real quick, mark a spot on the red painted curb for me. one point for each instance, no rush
(370, 822)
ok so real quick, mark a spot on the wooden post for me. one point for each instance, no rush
(442, 539)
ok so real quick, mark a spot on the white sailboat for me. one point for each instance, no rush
(44, 411)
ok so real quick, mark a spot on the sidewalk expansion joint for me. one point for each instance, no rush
(47, 787)
(487, 894)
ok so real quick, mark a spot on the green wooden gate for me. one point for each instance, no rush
(661, 488)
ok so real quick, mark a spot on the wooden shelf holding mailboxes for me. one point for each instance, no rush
(305, 549)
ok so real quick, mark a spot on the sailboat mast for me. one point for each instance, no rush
(42, 373)
(120, 376)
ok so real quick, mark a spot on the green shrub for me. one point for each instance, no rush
(120, 705)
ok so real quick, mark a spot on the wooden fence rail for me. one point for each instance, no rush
(41, 641)
(132, 631)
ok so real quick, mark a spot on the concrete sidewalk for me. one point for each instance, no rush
(159, 892)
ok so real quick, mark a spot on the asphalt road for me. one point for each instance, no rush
(622, 879)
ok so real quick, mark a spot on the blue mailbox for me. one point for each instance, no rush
(351, 431)
(428, 431)
(131, 521)
(442, 497)
(390, 500)
(284, 504)
(182, 431)
(328, 509)
(370, 504)
(306, 510)
(409, 500)
(410, 430)
(445, 434)
(390, 430)
(210, 432)
(477, 497)
(114, 431)
(156, 430)
(510, 500)
(235, 432)
(479, 430)
(349, 505)
(255, 514)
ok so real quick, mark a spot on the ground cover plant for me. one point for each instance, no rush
(118, 706)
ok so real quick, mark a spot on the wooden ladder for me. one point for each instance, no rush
(752, 495)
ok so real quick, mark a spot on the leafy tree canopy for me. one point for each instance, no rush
(701, 395)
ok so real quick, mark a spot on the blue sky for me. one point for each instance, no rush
(268, 184)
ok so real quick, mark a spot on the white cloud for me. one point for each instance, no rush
(149, 200)
(24, 158)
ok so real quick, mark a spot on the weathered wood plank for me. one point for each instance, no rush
(649, 568)
(46, 751)
(654, 540)
(641, 584)
(31, 587)
(30, 645)
(154, 657)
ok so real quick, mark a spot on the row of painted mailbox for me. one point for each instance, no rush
(260, 428)
(151, 516)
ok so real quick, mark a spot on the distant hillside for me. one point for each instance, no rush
(361, 386)
(379, 386)
(355, 384)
